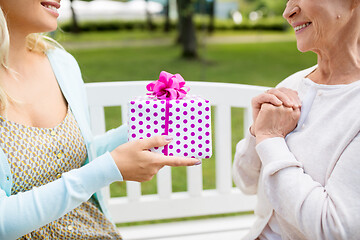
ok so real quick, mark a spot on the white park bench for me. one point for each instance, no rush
(196, 201)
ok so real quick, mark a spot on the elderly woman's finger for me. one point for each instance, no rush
(284, 96)
(293, 95)
(266, 98)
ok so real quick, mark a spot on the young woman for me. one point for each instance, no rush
(51, 168)
(302, 152)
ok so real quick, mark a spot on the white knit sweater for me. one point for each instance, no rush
(308, 183)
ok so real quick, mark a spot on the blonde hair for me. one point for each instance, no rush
(35, 42)
(4, 57)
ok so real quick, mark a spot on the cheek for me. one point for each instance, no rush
(325, 22)
(19, 15)
(319, 32)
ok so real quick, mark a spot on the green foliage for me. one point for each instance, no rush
(272, 7)
(273, 23)
(110, 25)
(186, 8)
(268, 7)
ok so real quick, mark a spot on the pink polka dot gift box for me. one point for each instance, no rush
(169, 110)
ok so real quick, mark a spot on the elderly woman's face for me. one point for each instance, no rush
(317, 23)
(31, 15)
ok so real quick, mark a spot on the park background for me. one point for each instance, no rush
(231, 41)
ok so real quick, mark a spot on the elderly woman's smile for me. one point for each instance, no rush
(298, 27)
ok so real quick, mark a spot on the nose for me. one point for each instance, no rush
(290, 11)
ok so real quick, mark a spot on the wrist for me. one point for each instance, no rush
(262, 137)
(115, 157)
(251, 130)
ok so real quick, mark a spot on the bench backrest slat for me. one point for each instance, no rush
(164, 183)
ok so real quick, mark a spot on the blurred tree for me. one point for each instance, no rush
(268, 7)
(212, 15)
(186, 29)
(149, 22)
(275, 7)
(167, 16)
(75, 26)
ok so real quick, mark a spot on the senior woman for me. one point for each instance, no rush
(301, 155)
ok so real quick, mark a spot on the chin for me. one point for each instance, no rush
(302, 47)
(50, 27)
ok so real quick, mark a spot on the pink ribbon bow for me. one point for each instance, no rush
(168, 86)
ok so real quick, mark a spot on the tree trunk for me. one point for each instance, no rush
(167, 17)
(187, 33)
(75, 26)
(212, 16)
(149, 23)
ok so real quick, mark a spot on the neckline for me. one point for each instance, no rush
(38, 128)
(324, 86)
(47, 55)
(310, 82)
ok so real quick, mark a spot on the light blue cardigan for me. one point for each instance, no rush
(25, 212)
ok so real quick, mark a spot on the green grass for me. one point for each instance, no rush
(254, 63)
(111, 36)
(131, 35)
(264, 64)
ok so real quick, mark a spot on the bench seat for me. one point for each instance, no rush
(229, 228)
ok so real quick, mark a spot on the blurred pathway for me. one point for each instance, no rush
(169, 41)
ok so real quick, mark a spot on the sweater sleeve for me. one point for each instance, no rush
(246, 166)
(27, 211)
(319, 212)
(110, 140)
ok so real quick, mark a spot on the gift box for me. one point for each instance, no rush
(169, 110)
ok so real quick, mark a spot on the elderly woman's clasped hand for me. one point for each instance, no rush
(275, 113)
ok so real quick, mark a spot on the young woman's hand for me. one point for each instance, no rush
(275, 121)
(277, 97)
(137, 163)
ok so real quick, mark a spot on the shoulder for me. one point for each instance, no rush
(294, 80)
(66, 69)
(60, 53)
(61, 58)
(63, 64)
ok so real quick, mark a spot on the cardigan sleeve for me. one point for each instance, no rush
(319, 212)
(27, 211)
(110, 140)
(247, 165)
